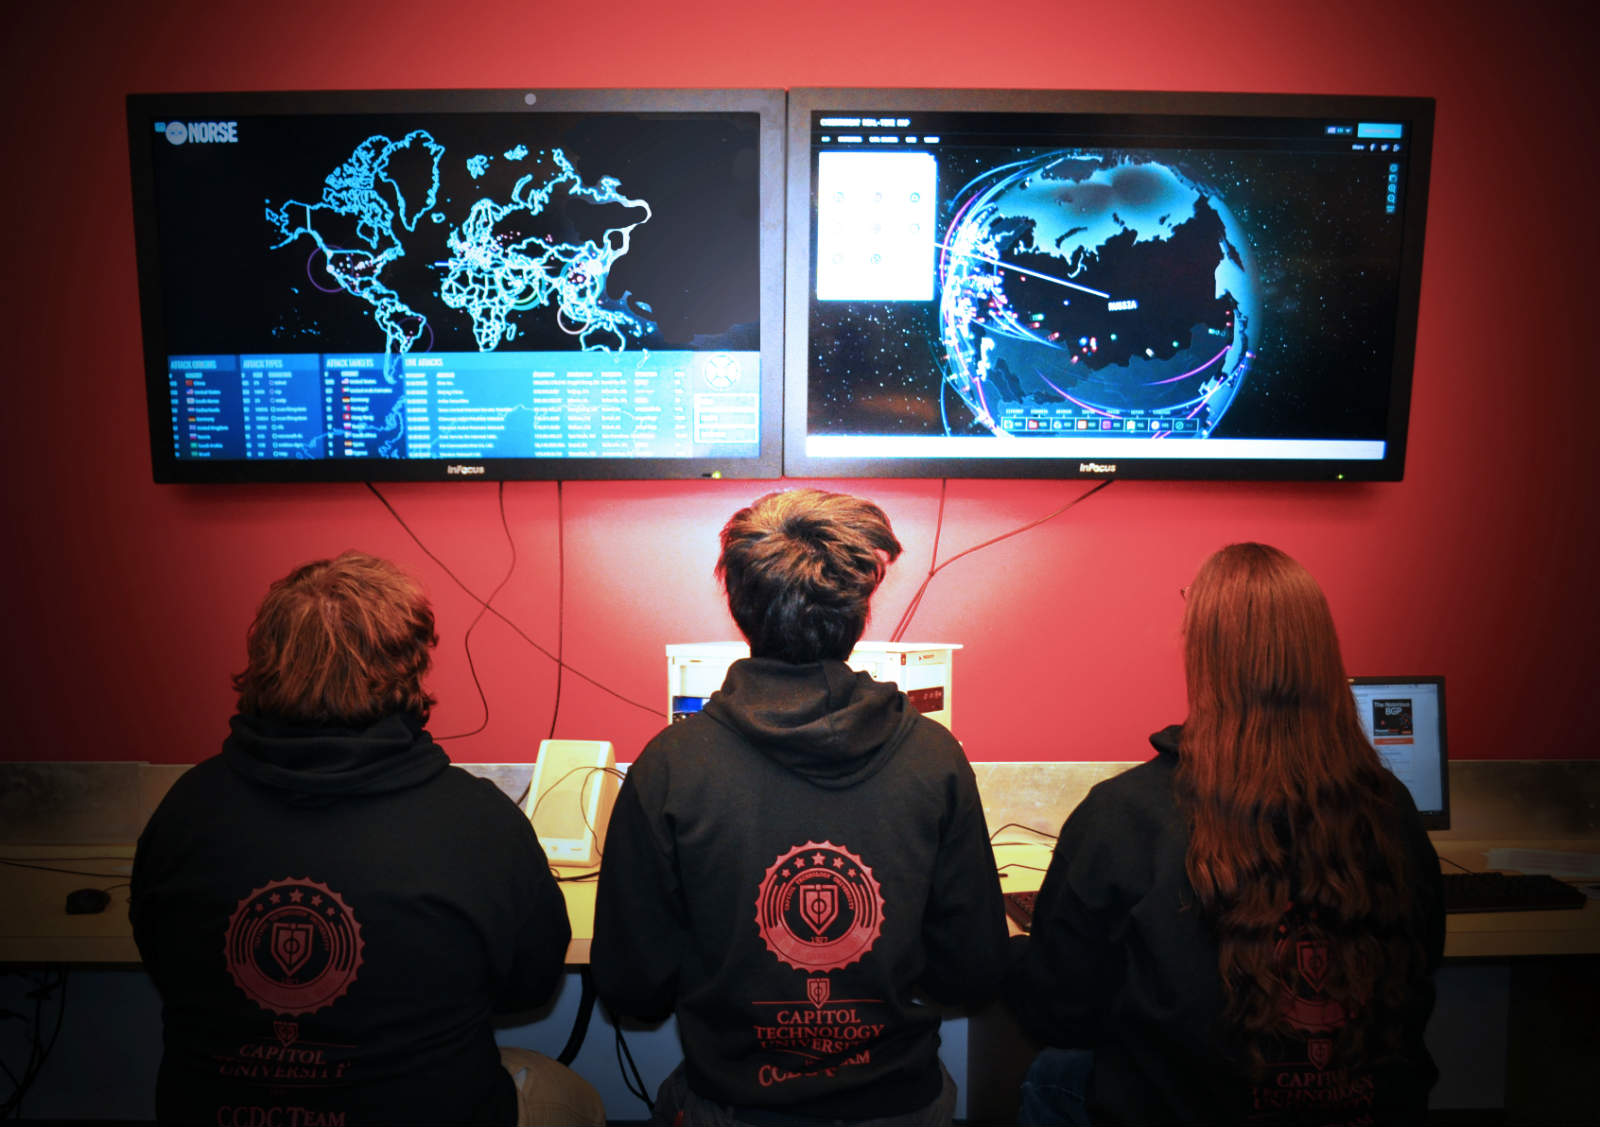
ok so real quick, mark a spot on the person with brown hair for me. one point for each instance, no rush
(799, 869)
(1245, 928)
(330, 910)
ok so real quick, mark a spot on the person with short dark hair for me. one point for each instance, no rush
(799, 870)
(799, 568)
(330, 910)
(1245, 928)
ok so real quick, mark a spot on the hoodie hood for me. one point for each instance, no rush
(822, 720)
(310, 766)
(1166, 740)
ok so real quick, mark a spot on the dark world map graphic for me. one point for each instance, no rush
(1244, 294)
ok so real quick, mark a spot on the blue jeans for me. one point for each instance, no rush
(1056, 1089)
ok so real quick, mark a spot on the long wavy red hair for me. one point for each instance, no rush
(1289, 806)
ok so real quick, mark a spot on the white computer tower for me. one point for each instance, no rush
(922, 670)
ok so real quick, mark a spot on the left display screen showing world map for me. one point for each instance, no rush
(467, 290)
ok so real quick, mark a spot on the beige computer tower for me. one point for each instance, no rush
(569, 801)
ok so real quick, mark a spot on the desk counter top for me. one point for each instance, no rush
(35, 926)
(1476, 935)
(1491, 935)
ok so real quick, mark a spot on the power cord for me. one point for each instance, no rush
(45, 984)
(1046, 834)
(634, 1083)
(582, 806)
(934, 567)
(933, 559)
(561, 607)
(514, 627)
(466, 642)
(1001, 869)
(70, 872)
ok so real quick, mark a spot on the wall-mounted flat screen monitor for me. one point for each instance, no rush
(430, 285)
(1403, 718)
(1016, 283)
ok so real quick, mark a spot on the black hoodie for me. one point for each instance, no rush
(330, 917)
(1121, 961)
(795, 872)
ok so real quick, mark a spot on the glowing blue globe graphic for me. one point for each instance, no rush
(1108, 287)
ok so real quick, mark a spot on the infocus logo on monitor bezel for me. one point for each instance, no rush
(459, 470)
(1097, 467)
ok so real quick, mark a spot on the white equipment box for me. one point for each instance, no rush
(570, 798)
(921, 670)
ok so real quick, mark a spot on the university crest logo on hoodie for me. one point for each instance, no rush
(819, 907)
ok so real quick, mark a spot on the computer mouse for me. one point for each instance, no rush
(86, 901)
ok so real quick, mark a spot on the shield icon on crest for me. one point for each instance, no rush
(819, 906)
(818, 989)
(288, 1032)
(291, 945)
(1312, 962)
(1320, 1051)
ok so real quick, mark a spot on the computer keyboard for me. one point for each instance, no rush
(1507, 892)
(1019, 906)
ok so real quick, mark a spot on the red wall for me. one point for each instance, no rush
(129, 602)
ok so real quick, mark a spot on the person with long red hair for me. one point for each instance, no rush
(1245, 928)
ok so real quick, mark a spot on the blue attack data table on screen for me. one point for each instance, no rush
(464, 405)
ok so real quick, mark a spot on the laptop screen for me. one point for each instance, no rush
(1404, 719)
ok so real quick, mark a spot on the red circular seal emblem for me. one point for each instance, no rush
(819, 907)
(293, 946)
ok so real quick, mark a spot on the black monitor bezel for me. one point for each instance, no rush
(144, 109)
(803, 102)
(1431, 819)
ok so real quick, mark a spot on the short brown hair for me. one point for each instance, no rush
(800, 567)
(339, 642)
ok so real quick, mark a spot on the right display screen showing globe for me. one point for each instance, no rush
(988, 283)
